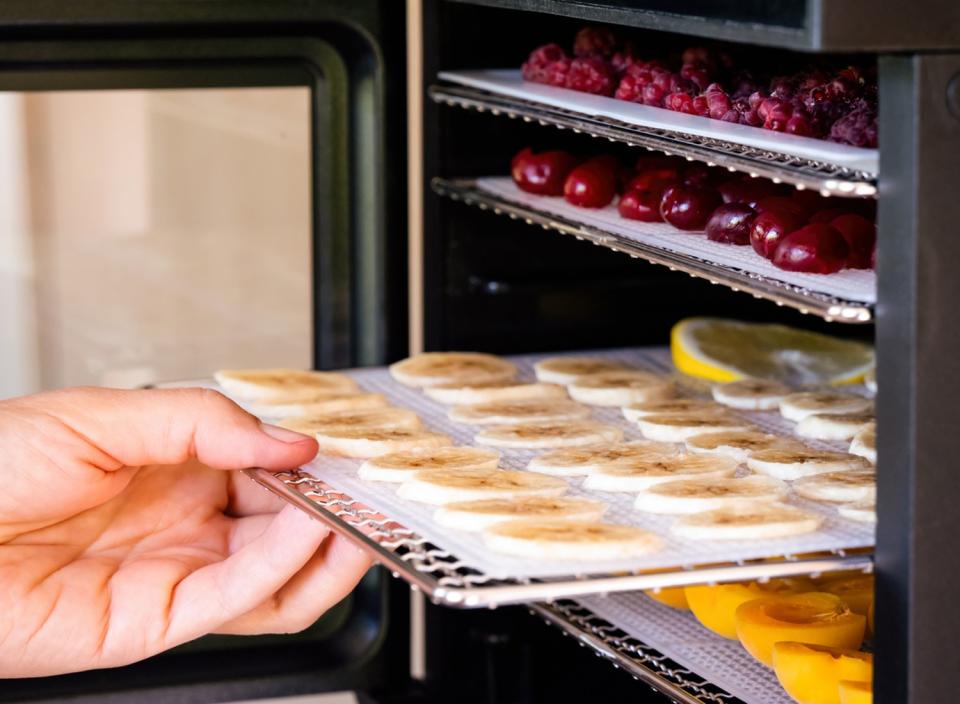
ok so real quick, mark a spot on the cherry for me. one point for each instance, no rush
(748, 190)
(815, 249)
(731, 224)
(654, 179)
(861, 237)
(542, 173)
(828, 214)
(781, 203)
(688, 207)
(641, 204)
(700, 176)
(809, 201)
(770, 227)
(592, 184)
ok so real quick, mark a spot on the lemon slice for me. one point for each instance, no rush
(727, 350)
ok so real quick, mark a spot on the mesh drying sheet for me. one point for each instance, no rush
(678, 635)
(341, 473)
(850, 284)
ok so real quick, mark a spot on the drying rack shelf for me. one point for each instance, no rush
(632, 655)
(446, 580)
(825, 306)
(827, 178)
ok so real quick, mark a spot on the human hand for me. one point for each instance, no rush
(121, 535)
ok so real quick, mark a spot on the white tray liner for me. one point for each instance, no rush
(509, 82)
(858, 285)
(341, 473)
(679, 636)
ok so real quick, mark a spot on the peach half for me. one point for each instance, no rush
(715, 605)
(853, 692)
(811, 674)
(674, 597)
(856, 592)
(816, 618)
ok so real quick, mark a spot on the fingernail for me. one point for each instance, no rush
(283, 434)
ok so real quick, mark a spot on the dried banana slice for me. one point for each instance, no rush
(678, 427)
(738, 445)
(584, 460)
(480, 515)
(370, 442)
(842, 487)
(699, 495)
(401, 466)
(639, 475)
(793, 464)
(523, 411)
(870, 380)
(864, 444)
(281, 385)
(446, 486)
(566, 370)
(859, 511)
(796, 407)
(747, 522)
(834, 426)
(448, 368)
(570, 540)
(375, 418)
(317, 405)
(670, 406)
(465, 394)
(622, 388)
(540, 435)
(751, 394)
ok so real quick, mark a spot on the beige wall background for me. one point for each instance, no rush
(152, 235)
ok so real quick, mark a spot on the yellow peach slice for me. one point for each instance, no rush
(671, 596)
(870, 626)
(816, 618)
(856, 592)
(715, 605)
(855, 692)
(811, 674)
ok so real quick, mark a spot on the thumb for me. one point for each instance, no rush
(135, 428)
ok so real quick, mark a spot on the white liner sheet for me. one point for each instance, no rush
(341, 473)
(509, 82)
(678, 635)
(850, 284)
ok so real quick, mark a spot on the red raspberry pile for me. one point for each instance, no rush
(835, 103)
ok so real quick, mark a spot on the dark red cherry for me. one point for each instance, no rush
(748, 190)
(782, 203)
(815, 249)
(593, 184)
(641, 204)
(730, 223)
(861, 237)
(542, 173)
(827, 215)
(688, 207)
(768, 228)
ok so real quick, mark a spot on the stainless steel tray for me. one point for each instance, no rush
(829, 179)
(806, 301)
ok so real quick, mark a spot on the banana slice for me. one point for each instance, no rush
(446, 486)
(864, 444)
(859, 511)
(370, 442)
(480, 515)
(738, 445)
(639, 475)
(539, 435)
(281, 385)
(834, 426)
(570, 540)
(401, 466)
(317, 405)
(699, 495)
(670, 406)
(450, 368)
(796, 407)
(566, 370)
(584, 460)
(523, 411)
(793, 464)
(751, 394)
(623, 388)
(462, 395)
(843, 487)
(678, 427)
(870, 380)
(747, 522)
(375, 418)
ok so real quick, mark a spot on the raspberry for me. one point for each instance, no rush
(625, 58)
(697, 73)
(731, 116)
(777, 116)
(653, 95)
(630, 88)
(799, 124)
(546, 64)
(594, 40)
(591, 74)
(752, 118)
(858, 128)
(678, 102)
(756, 98)
(701, 106)
(718, 103)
